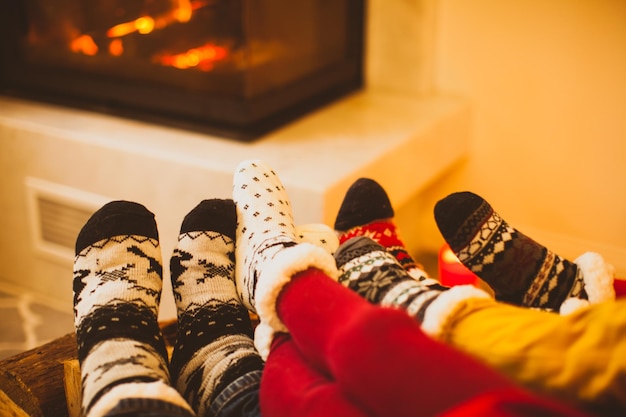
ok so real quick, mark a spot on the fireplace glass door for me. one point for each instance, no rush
(235, 67)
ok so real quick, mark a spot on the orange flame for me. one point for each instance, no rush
(84, 44)
(143, 25)
(181, 13)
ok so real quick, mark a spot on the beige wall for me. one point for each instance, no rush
(547, 83)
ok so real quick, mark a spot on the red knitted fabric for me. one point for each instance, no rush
(378, 357)
(383, 232)
(292, 387)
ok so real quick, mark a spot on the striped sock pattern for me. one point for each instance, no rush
(385, 233)
(117, 288)
(214, 347)
(367, 211)
(519, 270)
(369, 269)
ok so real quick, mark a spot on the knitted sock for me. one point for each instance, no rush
(367, 211)
(117, 288)
(214, 348)
(368, 269)
(519, 270)
(318, 234)
(267, 251)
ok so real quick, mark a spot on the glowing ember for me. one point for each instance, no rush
(116, 47)
(202, 57)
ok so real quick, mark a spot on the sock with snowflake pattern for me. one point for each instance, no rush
(117, 288)
(214, 363)
(372, 272)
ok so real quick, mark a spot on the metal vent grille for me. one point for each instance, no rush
(57, 213)
(60, 223)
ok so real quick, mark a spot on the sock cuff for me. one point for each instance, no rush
(598, 277)
(572, 304)
(279, 272)
(263, 338)
(443, 308)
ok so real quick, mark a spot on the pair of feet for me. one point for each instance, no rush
(520, 271)
(117, 288)
(232, 256)
(235, 256)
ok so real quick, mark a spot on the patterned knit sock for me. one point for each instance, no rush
(375, 274)
(519, 270)
(214, 363)
(117, 287)
(318, 234)
(366, 211)
(267, 250)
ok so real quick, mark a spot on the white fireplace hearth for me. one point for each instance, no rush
(80, 159)
(395, 131)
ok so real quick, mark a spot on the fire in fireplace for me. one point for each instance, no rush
(238, 68)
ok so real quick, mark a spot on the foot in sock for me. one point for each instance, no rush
(267, 249)
(117, 287)
(519, 270)
(214, 352)
(214, 363)
(366, 211)
(375, 274)
(318, 234)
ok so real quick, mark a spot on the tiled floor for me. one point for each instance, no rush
(28, 322)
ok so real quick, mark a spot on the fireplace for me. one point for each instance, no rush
(237, 68)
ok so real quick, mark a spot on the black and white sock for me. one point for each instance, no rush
(519, 270)
(214, 351)
(370, 270)
(117, 288)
